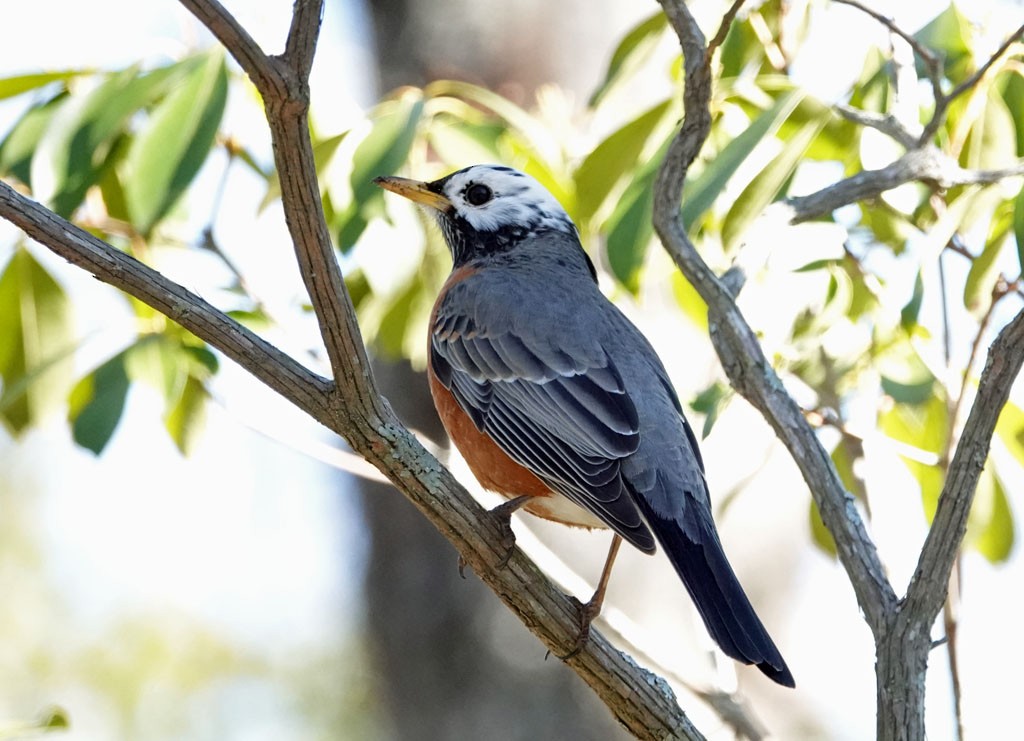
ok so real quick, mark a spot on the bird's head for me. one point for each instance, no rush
(486, 209)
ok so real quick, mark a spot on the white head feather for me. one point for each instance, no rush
(515, 200)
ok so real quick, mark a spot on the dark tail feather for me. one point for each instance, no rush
(721, 601)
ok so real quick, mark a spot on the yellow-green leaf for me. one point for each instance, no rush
(185, 419)
(382, 152)
(635, 46)
(36, 340)
(767, 185)
(78, 140)
(700, 192)
(614, 159)
(990, 527)
(1010, 429)
(171, 148)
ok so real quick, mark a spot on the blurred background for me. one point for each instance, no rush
(183, 555)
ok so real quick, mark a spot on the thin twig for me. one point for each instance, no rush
(886, 123)
(723, 30)
(932, 63)
(942, 101)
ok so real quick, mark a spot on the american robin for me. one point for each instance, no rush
(558, 402)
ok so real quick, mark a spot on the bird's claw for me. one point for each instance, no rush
(502, 515)
(588, 612)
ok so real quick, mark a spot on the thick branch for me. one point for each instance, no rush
(352, 408)
(288, 377)
(283, 84)
(737, 346)
(641, 701)
(927, 589)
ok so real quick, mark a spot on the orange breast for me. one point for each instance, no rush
(493, 468)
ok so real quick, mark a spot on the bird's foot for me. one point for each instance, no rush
(502, 516)
(588, 612)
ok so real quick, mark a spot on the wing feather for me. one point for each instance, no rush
(562, 412)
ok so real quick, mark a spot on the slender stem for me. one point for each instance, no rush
(723, 30)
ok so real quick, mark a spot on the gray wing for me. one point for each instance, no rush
(563, 415)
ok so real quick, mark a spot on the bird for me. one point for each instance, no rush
(559, 403)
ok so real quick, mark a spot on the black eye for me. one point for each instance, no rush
(478, 194)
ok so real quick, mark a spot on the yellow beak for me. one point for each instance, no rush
(414, 190)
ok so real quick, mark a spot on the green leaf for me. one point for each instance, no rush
(1018, 227)
(689, 301)
(740, 48)
(382, 152)
(924, 427)
(910, 312)
(185, 419)
(168, 152)
(630, 231)
(700, 193)
(949, 34)
(612, 160)
(990, 526)
(710, 403)
(36, 341)
(993, 138)
(1010, 429)
(75, 147)
(11, 86)
(393, 330)
(635, 46)
(156, 361)
(767, 185)
(982, 277)
(820, 535)
(904, 376)
(527, 126)
(458, 141)
(872, 90)
(1013, 96)
(97, 403)
(21, 143)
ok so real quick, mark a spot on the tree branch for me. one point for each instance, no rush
(232, 36)
(887, 124)
(351, 406)
(932, 63)
(928, 165)
(737, 346)
(927, 589)
(723, 30)
(942, 101)
(283, 374)
(642, 701)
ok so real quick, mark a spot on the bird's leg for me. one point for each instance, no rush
(503, 517)
(592, 609)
